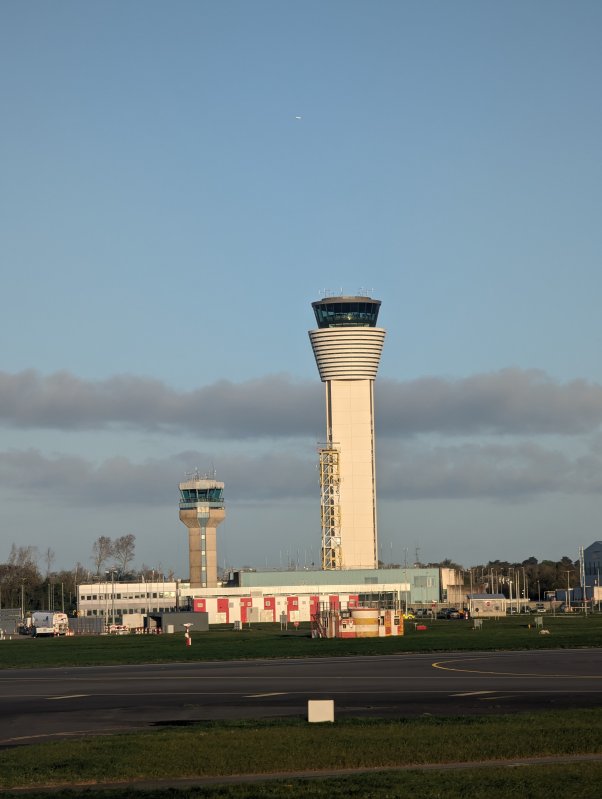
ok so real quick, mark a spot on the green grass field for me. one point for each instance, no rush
(263, 747)
(269, 641)
(529, 782)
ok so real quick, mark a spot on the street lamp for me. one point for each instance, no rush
(112, 573)
(568, 590)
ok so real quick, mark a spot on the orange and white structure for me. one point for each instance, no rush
(357, 622)
(347, 346)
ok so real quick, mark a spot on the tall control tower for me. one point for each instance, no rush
(201, 510)
(347, 346)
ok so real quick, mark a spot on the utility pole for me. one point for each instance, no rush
(583, 580)
(568, 589)
(113, 596)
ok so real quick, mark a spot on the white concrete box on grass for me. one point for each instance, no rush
(319, 710)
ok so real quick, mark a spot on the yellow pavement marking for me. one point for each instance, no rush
(444, 666)
(495, 698)
(67, 696)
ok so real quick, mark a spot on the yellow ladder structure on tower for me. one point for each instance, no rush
(330, 507)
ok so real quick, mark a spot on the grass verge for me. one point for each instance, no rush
(529, 782)
(228, 748)
(269, 641)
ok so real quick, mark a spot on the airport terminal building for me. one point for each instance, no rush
(272, 596)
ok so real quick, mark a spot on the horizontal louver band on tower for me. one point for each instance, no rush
(347, 353)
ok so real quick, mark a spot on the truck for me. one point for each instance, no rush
(49, 622)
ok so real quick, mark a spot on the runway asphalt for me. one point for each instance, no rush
(42, 704)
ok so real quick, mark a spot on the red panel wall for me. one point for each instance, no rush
(269, 603)
(222, 607)
(245, 602)
(292, 603)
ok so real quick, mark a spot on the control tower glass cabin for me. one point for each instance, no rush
(202, 508)
(347, 346)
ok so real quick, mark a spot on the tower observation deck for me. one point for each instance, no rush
(202, 508)
(347, 346)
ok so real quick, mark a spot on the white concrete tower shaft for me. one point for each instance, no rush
(201, 510)
(347, 346)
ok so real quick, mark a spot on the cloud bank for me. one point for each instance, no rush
(511, 401)
(477, 437)
(500, 472)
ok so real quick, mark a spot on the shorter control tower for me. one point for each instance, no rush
(201, 510)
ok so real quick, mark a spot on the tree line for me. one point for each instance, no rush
(529, 578)
(28, 581)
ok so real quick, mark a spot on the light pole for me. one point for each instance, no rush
(112, 573)
(146, 602)
(568, 591)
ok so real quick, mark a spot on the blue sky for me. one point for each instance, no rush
(166, 221)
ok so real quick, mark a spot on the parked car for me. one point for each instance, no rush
(423, 613)
(449, 613)
(540, 608)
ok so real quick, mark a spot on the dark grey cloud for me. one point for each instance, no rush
(121, 481)
(489, 471)
(511, 401)
(502, 472)
(270, 407)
